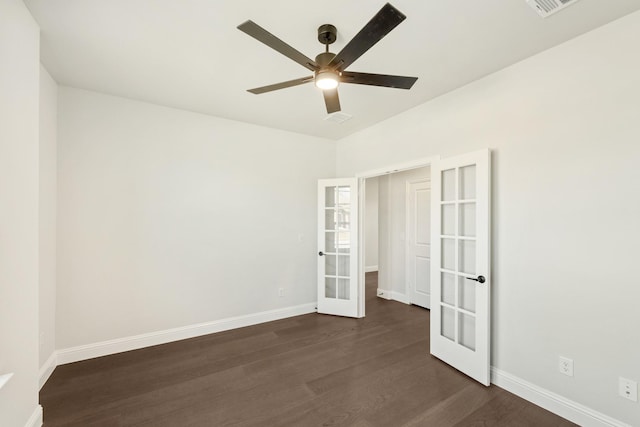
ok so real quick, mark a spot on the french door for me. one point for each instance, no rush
(460, 261)
(338, 247)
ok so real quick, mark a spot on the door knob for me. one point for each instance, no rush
(479, 279)
(321, 253)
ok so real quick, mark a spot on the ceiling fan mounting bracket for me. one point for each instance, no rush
(327, 34)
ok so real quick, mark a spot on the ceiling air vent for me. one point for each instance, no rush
(338, 117)
(549, 7)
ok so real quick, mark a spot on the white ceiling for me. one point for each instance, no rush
(188, 54)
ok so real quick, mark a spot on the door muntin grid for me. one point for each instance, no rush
(337, 242)
(458, 260)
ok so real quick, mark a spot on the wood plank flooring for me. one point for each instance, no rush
(310, 370)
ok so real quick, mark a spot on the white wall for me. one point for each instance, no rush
(19, 83)
(393, 202)
(47, 213)
(371, 224)
(169, 218)
(565, 135)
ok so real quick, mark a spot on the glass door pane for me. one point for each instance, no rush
(337, 241)
(458, 255)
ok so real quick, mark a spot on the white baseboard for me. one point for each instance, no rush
(84, 352)
(371, 269)
(384, 294)
(47, 369)
(553, 402)
(36, 418)
(391, 295)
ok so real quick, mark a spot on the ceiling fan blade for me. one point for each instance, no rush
(397, 82)
(262, 35)
(331, 100)
(282, 85)
(379, 26)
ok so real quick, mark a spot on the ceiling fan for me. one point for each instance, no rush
(329, 69)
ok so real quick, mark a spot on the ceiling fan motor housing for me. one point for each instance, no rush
(324, 59)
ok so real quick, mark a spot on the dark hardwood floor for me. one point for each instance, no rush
(311, 370)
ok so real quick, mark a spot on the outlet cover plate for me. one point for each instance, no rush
(565, 366)
(628, 389)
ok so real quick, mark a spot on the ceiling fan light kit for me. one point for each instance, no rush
(327, 79)
(329, 68)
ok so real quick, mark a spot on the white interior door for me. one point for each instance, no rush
(460, 278)
(338, 247)
(419, 243)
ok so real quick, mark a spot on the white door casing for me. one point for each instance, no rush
(418, 248)
(338, 247)
(460, 261)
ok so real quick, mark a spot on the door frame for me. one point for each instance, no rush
(362, 176)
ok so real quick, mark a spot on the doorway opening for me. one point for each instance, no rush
(395, 224)
(460, 278)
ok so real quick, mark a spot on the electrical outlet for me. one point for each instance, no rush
(565, 366)
(628, 389)
(280, 292)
